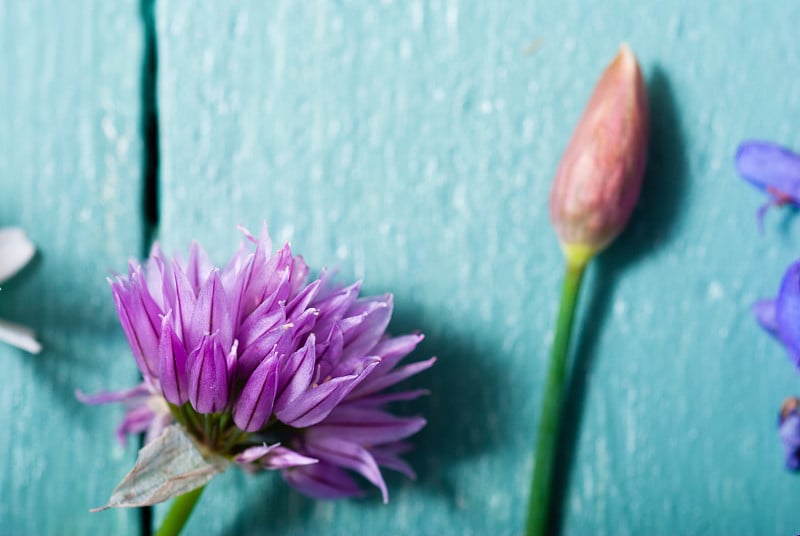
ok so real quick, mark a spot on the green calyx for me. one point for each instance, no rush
(579, 254)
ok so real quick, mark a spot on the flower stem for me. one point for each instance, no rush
(541, 484)
(179, 512)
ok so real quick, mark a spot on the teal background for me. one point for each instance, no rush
(412, 145)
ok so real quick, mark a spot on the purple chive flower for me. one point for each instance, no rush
(789, 430)
(265, 368)
(773, 169)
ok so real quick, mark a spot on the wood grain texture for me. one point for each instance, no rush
(70, 169)
(412, 144)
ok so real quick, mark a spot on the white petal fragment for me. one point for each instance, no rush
(19, 336)
(167, 467)
(15, 251)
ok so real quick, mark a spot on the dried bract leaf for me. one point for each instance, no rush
(167, 467)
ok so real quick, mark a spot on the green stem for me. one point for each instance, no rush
(541, 484)
(179, 512)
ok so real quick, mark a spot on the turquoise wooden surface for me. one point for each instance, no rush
(70, 169)
(412, 144)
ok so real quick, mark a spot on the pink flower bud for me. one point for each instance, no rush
(600, 175)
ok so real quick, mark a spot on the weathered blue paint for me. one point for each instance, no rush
(70, 170)
(413, 144)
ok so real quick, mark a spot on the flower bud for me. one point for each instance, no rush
(598, 181)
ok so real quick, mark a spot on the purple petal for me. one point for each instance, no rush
(283, 458)
(154, 312)
(172, 370)
(211, 314)
(254, 405)
(385, 398)
(137, 420)
(392, 350)
(329, 353)
(787, 312)
(393, 377)
(142, 334)
(264, 239)
(253, 287)
(349, 455)
(301, 302)
(236, 266)
(370, 316)
(765, 313)
(274, 457)
(299, 275)
(231, 362)
(235, 277)
(321, 481)
(317, 402)
(303, 325)
(336, 302)
(366, 425)
(296, 374)
(208, 376)
(269, 277)
(154, 274)
(133, 394)
(332, 309)
(254, 354)
(145, 411)
(360, 333)
(387, 457)
(251, 454)
(182, 299)
(198, 267)
(260, 321)
(770, 167)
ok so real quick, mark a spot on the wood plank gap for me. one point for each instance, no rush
(151, 165)
(150, 125)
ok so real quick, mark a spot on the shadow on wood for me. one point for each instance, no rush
(467, 383)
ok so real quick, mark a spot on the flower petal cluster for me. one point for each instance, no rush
(16, 250)
(773, 169)
(266, 367)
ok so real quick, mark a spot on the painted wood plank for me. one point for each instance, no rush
(413, 144)
(70, 169)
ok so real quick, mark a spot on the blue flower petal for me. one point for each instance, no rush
(772, 168)
(787, 312)
(766, 314)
